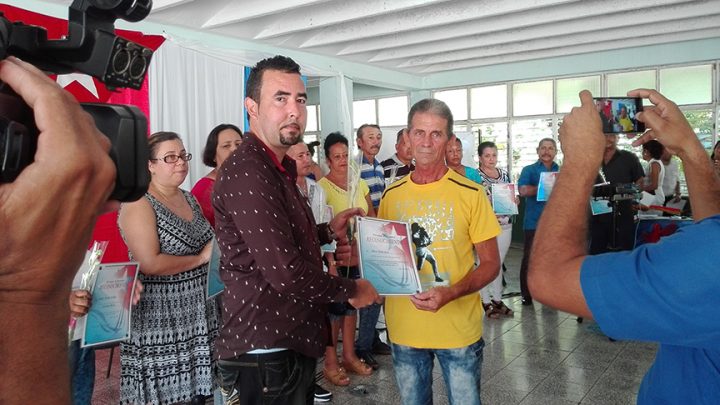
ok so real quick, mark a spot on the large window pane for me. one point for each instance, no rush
(568, 90)
(364, 113)
(526, 135)
(393, 111)
(312, 121)
(496, 132)
(701, 121)
(488, 102)
(687, 84)
(533, 98)
(620, 83)
(456, 100)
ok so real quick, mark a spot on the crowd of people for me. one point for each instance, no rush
(290, 266)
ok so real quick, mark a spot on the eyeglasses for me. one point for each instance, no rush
(174, 158)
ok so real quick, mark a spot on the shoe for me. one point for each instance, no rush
(381, 348)
(502, 309)
(322, 395)
(490, 311)
(336, 377)
(527, 301)
(368, 359)
(358, 367)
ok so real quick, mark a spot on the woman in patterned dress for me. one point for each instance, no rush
(168, 358)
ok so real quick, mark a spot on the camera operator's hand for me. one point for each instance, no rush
(47, 213)
(581, 138)
(46, 218)
(667, 124)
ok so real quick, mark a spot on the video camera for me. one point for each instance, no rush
(616, 191)
(90, 47)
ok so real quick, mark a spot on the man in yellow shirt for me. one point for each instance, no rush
(445, 320)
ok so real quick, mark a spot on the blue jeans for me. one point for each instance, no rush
(366, 328)
(82, 370)
(460, 368)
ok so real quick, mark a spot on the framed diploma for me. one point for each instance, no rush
(214, 283)
(108, 319)
(503, 199)
(386, 256)
(547, 182)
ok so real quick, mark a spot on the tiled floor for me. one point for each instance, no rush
(540, 356)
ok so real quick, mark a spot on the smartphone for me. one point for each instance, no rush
(619, 114)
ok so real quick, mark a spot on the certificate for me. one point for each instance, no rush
(108, 319)
(600, 207)
(503, 199)
(214, 283)
(547, 182)
(386, 256)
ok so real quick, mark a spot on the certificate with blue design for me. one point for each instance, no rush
(108, 319)
(214, 283)
(546, 184)
(386, 256)
(503, 199)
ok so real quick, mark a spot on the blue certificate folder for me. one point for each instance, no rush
(108, 319)
(387, 257)
(214, 283)
(545, 186)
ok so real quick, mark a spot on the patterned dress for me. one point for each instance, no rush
(168, 357)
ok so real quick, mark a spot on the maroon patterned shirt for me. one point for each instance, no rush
(276, 291)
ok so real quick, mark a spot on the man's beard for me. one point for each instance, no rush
(290, 140)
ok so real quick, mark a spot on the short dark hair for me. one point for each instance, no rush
(654, 147)
(485, 145)
(363, 126)
(208, 155)
(548, 140)
(277, 62)
(159, 137)
(458, 140)
(332, 139)
(433, 106)
(712, 155)
(399, 136)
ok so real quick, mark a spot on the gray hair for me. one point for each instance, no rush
(433, 106)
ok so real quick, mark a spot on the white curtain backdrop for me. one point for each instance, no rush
(191, 93)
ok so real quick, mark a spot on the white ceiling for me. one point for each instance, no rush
(427, 36)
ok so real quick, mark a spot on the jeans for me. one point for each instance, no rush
(280, 378)
(82, 370)
(366, 328)
(460, 367)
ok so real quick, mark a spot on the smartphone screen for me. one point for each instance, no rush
(619, 114)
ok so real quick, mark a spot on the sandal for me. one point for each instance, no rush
(337, 377)
(501, 308)
(358, 367)
(490, 311)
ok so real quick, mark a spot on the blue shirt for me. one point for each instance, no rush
(374, 175)
(666, 292)
(530, 176)
(473, 174)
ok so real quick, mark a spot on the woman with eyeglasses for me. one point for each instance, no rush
(221, 143)
(168, 357)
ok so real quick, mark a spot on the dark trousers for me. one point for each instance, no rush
(602, 232)
(279, 378)
(527, 248)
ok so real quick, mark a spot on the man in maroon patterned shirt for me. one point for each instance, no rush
(275, 303)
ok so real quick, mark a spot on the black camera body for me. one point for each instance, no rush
(91, 47)
(616, 191)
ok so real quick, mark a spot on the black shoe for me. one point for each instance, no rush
(368, 359)
(197, 400)
(380, 348)
(527, 301)
(322, 395)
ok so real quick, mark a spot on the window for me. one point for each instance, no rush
(393, 111)
(526, 136)
(620, 83)
(567, 97)
(533, 98)
(488, 102)
(687, 84)
(312, 119)
(364, 113)
(456, 100)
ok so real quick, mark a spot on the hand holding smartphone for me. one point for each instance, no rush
(619, 114)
